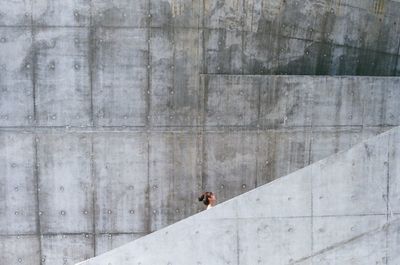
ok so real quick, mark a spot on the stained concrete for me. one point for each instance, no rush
(126, 73)
(307, 217)
(117, 183)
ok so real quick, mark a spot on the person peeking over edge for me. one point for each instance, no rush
(209, 199)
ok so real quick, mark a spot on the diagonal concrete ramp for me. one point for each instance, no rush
(291, 219)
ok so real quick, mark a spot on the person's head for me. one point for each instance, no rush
(208, 198)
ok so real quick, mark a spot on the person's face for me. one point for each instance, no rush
(212, 199)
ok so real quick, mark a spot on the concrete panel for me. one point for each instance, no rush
(378, 246)
(368, 249)
(302, 37)
(123, 13)
(285, 197)
(107, 242)
(394, 173)
(231, 101)
(260, 240)
(120, 77)
(327, 141)
(172, 13)
(336, 102)
(392, 110)
(65, 182)
(19, 250)
(15, 13)
(346, 28)
(284, 55)
(342, 182)
(393, 239)
(229, 163)
(61, 13)
(162, 76)
(121, 183)
(175, 181)
(223, 51)
(322, 21)
(281, 152)
(175, 95)
(18, 202)
(300, 101)
(223, 14)
(16, 87)
(284, 101)
(66, 249)
(62, 77)
(331, 230)
(381, 105)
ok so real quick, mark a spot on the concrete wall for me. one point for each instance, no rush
(94, 89)
(71, 192)
(299, 218)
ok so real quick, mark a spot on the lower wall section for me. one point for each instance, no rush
(325, 213)
(97, 190)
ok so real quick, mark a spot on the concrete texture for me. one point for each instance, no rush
(103, 121)
(307, 217)
(378, 246)
(104, 185)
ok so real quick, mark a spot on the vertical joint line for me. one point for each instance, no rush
(173, 59)
(33, 69)
(237, 241)
(312, 212)
(397, 59)
(387, 201)
(204, 98)
(37, 212)
(203, 42)
(94, 193)
(242, 36)
(148, 38)
(92, 51)
(258, 130)
(148, 198)
(148, 123)
(388, 182)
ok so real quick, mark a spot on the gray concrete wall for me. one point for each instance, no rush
(72, 192)
(93, 89)
(341, 210)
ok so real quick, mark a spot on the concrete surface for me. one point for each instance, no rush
(307, 217)
(378, 246)
(79, 80)
(108, 185)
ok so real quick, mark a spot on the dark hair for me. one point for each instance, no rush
(205, 197)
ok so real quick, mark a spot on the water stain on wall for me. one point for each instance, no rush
(177, 7)
(379, 7)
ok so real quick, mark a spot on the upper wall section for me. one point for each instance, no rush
(175, 40)
(301, 37)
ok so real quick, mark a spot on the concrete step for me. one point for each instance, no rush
(289, 219)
